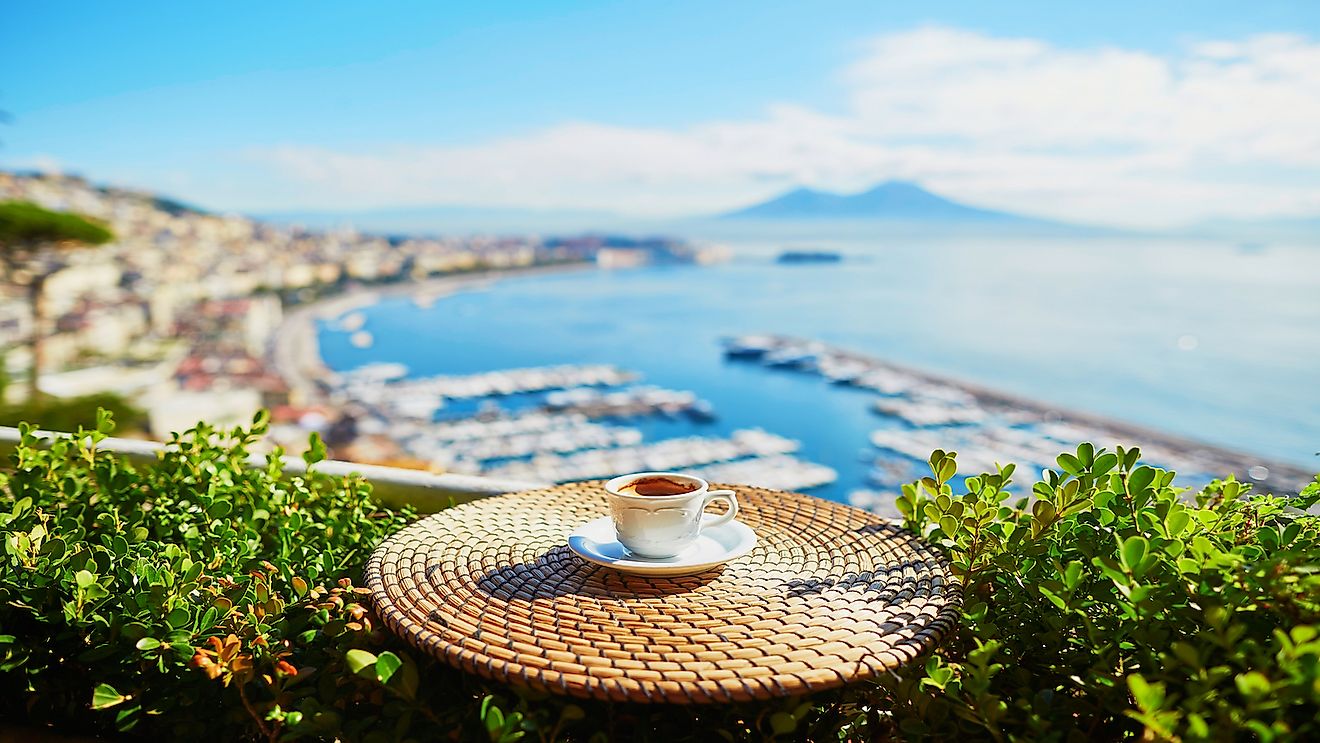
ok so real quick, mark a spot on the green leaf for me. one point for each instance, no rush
(54, 548)
(193, 572)
(782, 723)
(1140, 479)
(359, 659)
(1053, 597)
(148, 643)
(494, 719)
(948, 468)
(315, 449)
(1043, 510)
(1177, 521)
(1104, 463)
(949, 525)
(1268, 538)
(1069, 463)
(1072, 575)
(1148, 696)
(126, 719)
(386, 664)
(1290, 533)
(1133, 551)
(84, 578)
(105, 696)
(177, 618)
(1252, 684)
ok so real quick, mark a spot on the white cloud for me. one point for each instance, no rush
(1108, 135)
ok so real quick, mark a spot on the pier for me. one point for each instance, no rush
(629, 403)
(749, 456)
(925, 411)
(567, 423)
(493, 383)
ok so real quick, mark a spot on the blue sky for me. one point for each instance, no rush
(671, 108)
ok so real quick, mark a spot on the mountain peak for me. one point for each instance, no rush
(895, 200)
(894, 186)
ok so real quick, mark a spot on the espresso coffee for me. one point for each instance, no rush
(658, 487)
(659, 514)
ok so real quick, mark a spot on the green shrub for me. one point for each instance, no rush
(71, 413)
(1114, 607)
(194, 597)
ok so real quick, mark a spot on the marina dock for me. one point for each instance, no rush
(923, 411)
(568, 423)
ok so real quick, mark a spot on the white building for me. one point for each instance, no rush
(170, 411)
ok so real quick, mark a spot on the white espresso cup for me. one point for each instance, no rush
(659, 526)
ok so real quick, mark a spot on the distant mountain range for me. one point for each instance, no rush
(892, 200)
(899, 207)
(897, 202)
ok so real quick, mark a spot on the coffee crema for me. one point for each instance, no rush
(658, 487)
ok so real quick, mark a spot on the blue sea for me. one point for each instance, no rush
(1214, 341)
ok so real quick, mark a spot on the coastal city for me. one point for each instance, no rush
(181, 311)
(197, 316)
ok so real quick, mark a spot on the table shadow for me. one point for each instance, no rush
(559, 572)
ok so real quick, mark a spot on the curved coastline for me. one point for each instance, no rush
(296, 356)
(295, 351)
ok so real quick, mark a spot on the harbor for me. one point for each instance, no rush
(553, 424)
(462, 384)
(917, 412)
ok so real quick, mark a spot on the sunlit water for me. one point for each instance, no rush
(1210, 341)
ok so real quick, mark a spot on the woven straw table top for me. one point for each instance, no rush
(831, 594)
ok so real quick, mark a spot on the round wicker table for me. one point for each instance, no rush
(831, 594)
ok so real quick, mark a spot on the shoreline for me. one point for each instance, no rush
(295, 351)
(1282, 475)
(295, 355)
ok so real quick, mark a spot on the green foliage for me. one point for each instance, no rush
(72, 413)
(1113, 605)
(25, 223)
(194, 597)
(197, 598)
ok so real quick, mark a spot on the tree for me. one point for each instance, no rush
(32, 243)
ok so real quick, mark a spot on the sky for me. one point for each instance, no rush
(1120, 113)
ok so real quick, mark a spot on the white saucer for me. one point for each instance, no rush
(596, 542)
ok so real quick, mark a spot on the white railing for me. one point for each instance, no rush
(426, 491)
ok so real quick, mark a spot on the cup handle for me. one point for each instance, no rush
(728, 496)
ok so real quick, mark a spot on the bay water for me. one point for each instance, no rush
(1214, 341)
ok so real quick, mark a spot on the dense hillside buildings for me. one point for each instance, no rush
(179, 311)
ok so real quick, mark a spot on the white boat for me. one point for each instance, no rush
(749, 346)
(791, 357)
